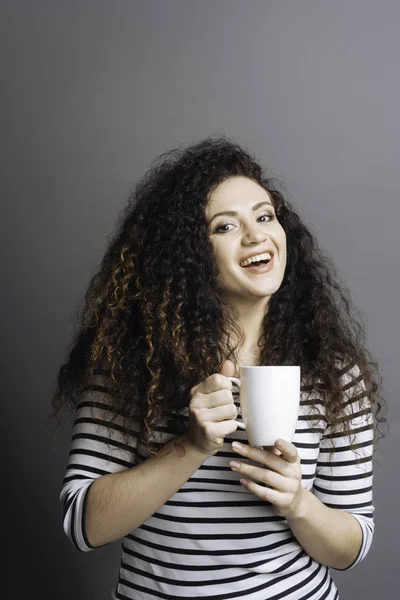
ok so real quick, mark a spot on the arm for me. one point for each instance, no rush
(120, 502)
(105, 494)
(334, 524)
(330, 536)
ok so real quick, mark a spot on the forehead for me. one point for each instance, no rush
(236, 192)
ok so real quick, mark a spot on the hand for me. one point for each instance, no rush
(212, 411)
(281, 472)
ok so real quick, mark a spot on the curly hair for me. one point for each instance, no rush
(154, 318)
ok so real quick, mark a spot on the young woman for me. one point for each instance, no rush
(172, 312)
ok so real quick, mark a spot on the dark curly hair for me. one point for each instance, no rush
(154, 318)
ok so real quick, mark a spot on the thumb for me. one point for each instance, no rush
(228, 368)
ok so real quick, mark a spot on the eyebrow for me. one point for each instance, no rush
(234, 214)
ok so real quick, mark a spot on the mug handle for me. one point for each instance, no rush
(237, 381)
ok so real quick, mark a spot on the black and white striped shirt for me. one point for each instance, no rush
(214, 539)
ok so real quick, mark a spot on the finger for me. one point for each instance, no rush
(288, 450)
(221, 413)
(272, 449)
(214, 383)
(272, 496)
(214, 399)
(265, 457)
(275, 480)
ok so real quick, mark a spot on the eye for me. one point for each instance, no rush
(217, 229)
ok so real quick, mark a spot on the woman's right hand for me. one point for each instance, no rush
(212, 411)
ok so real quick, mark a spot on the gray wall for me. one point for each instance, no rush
(92, 91)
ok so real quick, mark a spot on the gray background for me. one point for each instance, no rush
(92, 91)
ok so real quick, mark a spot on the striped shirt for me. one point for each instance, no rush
(213, 538)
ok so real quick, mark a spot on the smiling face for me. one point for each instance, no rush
(253, 230)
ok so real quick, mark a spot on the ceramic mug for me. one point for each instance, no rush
(269, 402)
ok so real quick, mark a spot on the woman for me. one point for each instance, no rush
(170, 315)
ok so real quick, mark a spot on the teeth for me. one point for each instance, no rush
(265, 256)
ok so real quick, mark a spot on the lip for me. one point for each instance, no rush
(271, 252)
(260, 270)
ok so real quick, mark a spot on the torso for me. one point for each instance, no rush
(247, 360)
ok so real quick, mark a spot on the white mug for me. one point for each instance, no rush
(269, 402)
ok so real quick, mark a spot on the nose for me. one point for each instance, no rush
(253, 234)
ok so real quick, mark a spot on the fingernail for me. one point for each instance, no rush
(237, 446)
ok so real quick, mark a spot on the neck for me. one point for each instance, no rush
(251, 320)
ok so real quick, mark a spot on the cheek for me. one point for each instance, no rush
(282, 240)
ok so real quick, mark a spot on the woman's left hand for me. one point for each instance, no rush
(281, 472)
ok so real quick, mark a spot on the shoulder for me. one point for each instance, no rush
(348, 373)
(348, 378)
(344, 370)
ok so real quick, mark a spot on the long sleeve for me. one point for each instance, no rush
(96, 449)
(343, 484)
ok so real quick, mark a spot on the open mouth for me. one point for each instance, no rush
(257, 263)
(261, 266)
